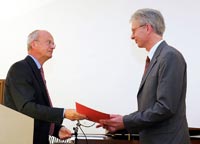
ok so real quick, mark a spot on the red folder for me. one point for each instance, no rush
(92, 115)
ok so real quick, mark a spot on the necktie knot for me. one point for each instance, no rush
(42, 72)
(147, 64)
(147, 60)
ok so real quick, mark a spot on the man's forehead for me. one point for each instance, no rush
(45, 35)
(135, 23)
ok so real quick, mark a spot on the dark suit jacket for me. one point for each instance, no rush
(25, 92)
(161, 115)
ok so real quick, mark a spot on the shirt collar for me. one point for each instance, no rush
(153, 49)
(36, 62)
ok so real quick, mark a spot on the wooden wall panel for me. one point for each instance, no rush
(2, 82)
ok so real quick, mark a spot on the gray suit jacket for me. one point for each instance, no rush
(161, 115)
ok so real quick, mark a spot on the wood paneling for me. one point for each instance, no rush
(2, 82)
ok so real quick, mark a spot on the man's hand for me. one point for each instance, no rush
(64, 133)
(113, 124)
(71, 114)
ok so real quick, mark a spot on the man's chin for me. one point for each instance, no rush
(50, 56)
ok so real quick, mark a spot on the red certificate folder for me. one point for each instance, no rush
(92, 115)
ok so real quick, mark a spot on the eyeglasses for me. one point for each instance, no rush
(48, 43)
(134, 30)
(51, 43)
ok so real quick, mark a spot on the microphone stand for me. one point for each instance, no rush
(76, 131)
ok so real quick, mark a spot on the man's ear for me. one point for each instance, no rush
(149, 27)
(34, 44)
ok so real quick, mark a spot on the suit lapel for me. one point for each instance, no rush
(152, 63)
(38, 77)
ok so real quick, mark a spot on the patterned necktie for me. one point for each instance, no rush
(146, 65)
(51, 130)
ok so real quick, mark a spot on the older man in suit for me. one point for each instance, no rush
(26, 91)
(161, 114)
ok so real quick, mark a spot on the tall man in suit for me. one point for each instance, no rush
(161, 114)
(26, 91)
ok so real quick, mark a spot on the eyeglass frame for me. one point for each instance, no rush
(135, 29)
(48, 42)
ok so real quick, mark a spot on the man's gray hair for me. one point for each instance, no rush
(152, 17)
(31, 37)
